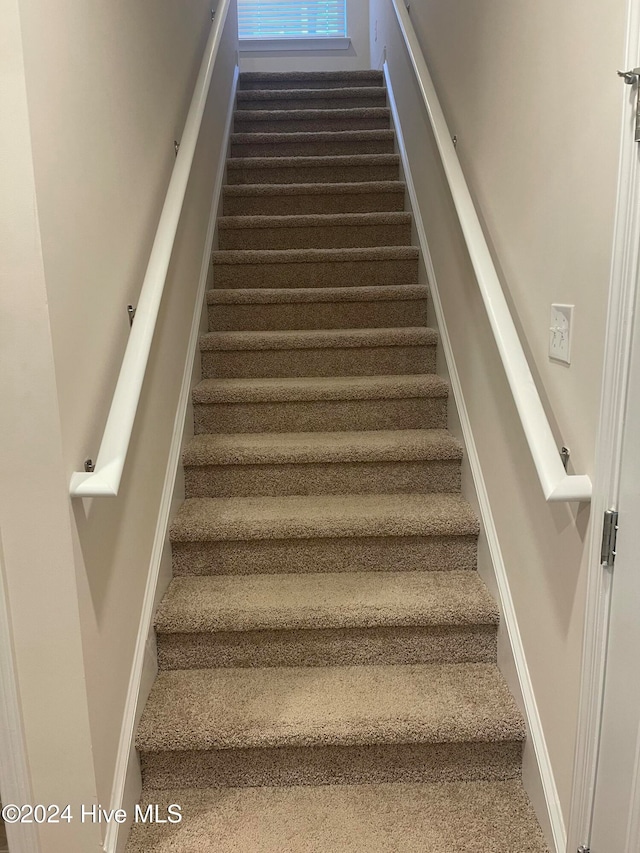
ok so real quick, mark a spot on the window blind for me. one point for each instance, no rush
(282, 19)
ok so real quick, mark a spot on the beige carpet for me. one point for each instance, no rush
(327, 651)
(462, 817)
(327, 198)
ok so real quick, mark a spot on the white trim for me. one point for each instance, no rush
(623, 296)
(104, 481)
(556, 484)
(126, 745)
(15, 782)
(632, 841)
(259, 45)
(507, 608)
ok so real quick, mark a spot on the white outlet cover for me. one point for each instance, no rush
(560, 328)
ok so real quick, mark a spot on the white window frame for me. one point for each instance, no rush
(298, 44)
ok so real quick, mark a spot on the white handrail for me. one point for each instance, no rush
(104, 480)
(556, 484)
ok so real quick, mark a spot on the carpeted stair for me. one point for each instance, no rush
(327, 652)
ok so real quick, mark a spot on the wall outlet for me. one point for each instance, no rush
(560, 333)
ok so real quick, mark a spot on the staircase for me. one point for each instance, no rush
(327, 653)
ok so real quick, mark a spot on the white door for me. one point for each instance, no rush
(616, 817)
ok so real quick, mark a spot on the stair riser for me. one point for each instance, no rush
(331, 647)
(330, 174)
(378, 98)
(350, 361)
(299, 203)
(316, 273)
(321, 415)
(318, 315)
(349, 554)
(330, 765)
(225, 481)
(274, 82)
(316, 237)
(312, 148)
(246, 124)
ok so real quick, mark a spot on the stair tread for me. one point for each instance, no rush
(360, 74)
(283, 94)
(327, 188)
(321, 220)
(311, 136)
(405, 336)
(323, 516)
(313, 160)
(320, 601)
(441, 817)
(301, 256)
(341, 706)
(321, 114)
(308, 447)
(267, 295)
(282, 389)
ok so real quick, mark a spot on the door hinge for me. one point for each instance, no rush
(631, 78)
(609, 537)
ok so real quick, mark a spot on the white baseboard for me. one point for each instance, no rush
(127, 780)
(538, 775)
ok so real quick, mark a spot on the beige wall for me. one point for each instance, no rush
(530, 91)
(353, 59)
(108, 86)
(36, 545)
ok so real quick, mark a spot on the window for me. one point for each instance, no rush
(292, 19)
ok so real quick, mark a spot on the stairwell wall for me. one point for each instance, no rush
(532, 95)
(108, 88)
(45, 744)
